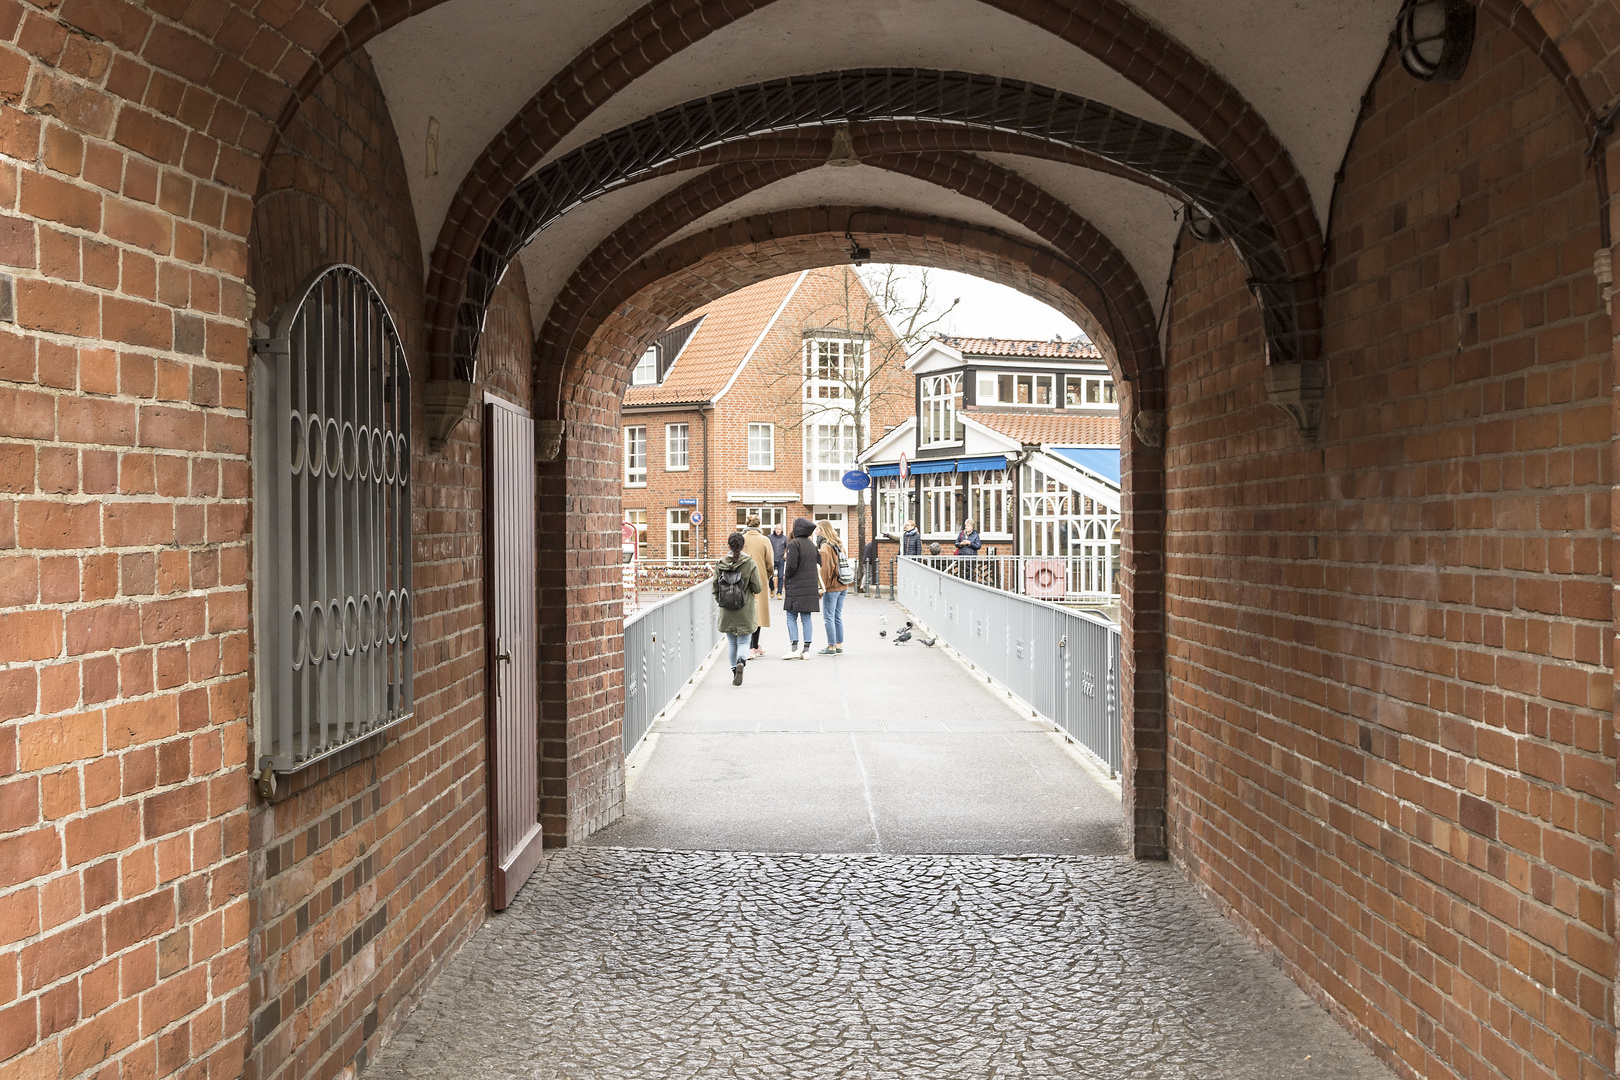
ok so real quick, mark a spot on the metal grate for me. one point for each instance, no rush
(333, 504)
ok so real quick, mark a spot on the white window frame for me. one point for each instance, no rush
(1094, 392)
(891, 511)
(678, 533)
(939, 420)
(1008, 384)
(829, 448)
(677, 447)
(635, 455)
(761, 450)
(646, 369)
(941, 519)
(990, 503)
(770, 516)
(847, 357)
(1059, 522)
(638, 518)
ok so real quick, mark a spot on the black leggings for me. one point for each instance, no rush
(754, 642)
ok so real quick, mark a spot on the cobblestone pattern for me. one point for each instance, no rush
(652, 964)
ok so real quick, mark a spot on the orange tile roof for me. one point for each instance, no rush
(1058, 350)
(1052, 429)
(730, 327)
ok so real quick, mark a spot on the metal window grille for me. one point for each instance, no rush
(332, 460)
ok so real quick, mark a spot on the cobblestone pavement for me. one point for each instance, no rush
(622, 963)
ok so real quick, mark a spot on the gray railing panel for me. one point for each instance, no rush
(663, 646)
(1065, 663)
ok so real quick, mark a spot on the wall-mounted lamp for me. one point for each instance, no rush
(857, 254)
(1203, 228)
(1434, 38)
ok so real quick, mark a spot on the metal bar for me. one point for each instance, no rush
(664, 644)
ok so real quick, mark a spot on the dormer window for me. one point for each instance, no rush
(940, 422)
(1082, 390)
(646, 373)
(1017, 389)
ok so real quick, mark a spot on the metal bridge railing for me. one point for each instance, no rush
(1064, 663)
(1071, 579)
(664, 645)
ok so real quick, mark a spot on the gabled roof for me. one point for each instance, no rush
(734, 325)
(1058, 350)
(1046, 429)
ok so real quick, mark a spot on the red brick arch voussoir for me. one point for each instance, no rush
(1117, 312)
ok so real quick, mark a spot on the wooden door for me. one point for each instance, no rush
(513, 693)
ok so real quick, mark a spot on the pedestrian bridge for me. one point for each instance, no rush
(859, 866)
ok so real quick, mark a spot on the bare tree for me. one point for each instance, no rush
(845, 361)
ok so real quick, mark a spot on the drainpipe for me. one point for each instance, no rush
(708, 521)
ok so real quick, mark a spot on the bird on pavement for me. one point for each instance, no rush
(929, 641)
(903, 636)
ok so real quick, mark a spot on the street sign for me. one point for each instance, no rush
(905, 469)
(697, 517)
(856, 480)
(685, 502)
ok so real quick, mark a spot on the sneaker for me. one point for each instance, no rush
(756, 654)
(828, 651)
(792, 653)
(839, 649)
(736, 675)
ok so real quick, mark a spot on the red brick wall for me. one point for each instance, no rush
(1391, 744)
(368, 873)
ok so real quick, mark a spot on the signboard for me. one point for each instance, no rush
(856, 480)
(905, 469)
(697, 517)
(629, 545)
(1045, 579)
(685, 502)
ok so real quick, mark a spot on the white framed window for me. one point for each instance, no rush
(840, 523)
(677, 447)
(833, 368)
(891, 505)
(333, 595)
(769, 517)
(1082, 390)
(939, 516)
(990, 503)
(941, 423)
(1059, 522)
(638, 518)
(678, 535)
(646, 372)
(762, 447)
(829, 450)
(1014, 388)
(635, 456)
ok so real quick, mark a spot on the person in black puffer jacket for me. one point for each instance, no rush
(801, 587)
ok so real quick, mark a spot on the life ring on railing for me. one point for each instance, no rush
(1045, 577)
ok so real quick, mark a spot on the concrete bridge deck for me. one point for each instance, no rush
(863, 867)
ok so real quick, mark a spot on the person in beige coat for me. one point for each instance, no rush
(757, 547)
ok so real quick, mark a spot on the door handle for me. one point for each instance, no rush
(504, 658)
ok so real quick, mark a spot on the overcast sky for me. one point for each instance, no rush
(991, 310)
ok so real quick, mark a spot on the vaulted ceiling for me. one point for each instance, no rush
(1262, 94)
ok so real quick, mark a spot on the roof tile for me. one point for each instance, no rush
(1061, 350)
(733, 323)
(1052, 429)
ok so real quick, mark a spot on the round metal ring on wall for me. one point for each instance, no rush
(296, 444)
(317, 446)
(351, 625)
(351, 451)
(377, 451)
(404, 616)
(334, 448)
(391, 620)
(363, 624)
(402, 466)
(388, 457)
(300, 638)
(317, 629)
(381, 623)
(334, 629)
(362, 452)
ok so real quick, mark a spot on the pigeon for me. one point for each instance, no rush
(903, 636)
(928, 641)
(883, 633)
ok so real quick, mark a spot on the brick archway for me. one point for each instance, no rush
(581, 376)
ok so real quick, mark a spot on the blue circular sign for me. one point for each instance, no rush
(856, 480)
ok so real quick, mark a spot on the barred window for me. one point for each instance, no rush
(332, 491)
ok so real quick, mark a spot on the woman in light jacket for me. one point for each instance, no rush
(832, 590)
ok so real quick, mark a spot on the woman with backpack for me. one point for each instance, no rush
(834, 588)
(801, 587)
(736, 583)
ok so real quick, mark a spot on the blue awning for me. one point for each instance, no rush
(918, 468)
(883, 470)
(1103, 462)
(980, 464)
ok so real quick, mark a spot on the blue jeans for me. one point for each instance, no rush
(832, 615)
(794, 623)
(739, 648)
(781, 571)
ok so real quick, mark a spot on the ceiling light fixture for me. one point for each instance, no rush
(1203, 228)
(1434, 38)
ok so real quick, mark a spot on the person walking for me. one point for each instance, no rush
(967, 548)
(869, 566)
(736, 584)
(756, 547)
(833, 590)
(801, 587)
(910, 540)
(778, 546)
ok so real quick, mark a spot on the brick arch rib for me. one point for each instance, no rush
(919, 96)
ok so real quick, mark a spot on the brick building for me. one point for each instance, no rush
(736, 411)
(1355, 291)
